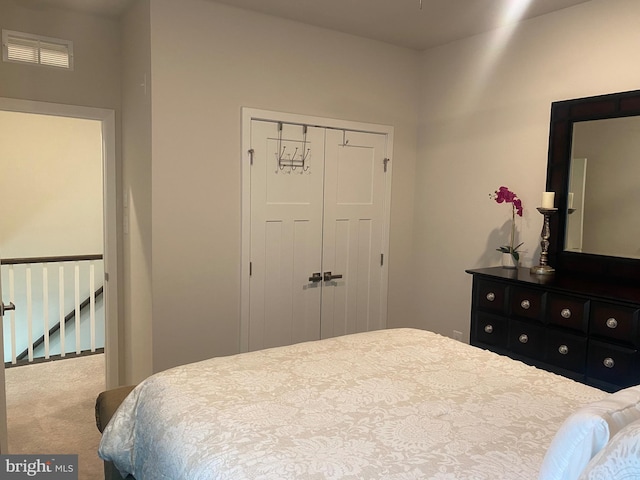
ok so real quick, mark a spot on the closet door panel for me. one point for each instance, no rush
(318, 202)
(286, 234)
(353, 233)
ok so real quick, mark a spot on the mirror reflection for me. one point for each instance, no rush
(603, 206)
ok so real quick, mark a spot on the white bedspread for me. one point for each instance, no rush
(394, 404)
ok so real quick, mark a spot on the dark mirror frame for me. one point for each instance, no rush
(563, 115)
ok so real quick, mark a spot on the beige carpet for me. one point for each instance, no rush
(50, 410)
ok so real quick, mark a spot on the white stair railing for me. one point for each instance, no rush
(44, 324)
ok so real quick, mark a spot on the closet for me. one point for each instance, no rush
(318, 232)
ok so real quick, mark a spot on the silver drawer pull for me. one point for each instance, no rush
(565, 313)
(526, 304)
(488, 328)
(612, 323)
(524, 338)
(608, 362)
(563, 349)
(491, 296)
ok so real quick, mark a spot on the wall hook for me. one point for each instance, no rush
(289, 161)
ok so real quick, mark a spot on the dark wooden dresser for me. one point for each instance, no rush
(583, 329)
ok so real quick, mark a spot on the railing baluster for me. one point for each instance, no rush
(61, 321)
(35, 313)
(45, 309)
(77, 305)
(29, 314)
(12, 298)
(92, 304)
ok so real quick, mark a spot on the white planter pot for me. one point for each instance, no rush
(508, 261)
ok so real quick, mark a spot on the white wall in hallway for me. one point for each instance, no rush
(51, 195)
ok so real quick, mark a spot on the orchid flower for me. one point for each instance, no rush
(504, 195)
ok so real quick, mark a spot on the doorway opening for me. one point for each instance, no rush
(103, 277)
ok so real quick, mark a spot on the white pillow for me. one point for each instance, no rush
(586, 432)
(620, 459)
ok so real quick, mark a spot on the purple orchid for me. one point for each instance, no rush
(504, 195)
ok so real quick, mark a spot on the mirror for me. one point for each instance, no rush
(604, 199)
(574, 240)
(593, 167)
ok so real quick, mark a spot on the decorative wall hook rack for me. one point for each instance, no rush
(293, 161)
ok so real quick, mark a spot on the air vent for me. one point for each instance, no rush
(35, 49)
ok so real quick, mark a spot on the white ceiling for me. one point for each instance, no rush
(110, 8)
(399, 22)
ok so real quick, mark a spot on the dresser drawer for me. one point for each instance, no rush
(490, 329)
(566, 350)
(490, 295)
(527, 303)
(612, 364)
(526, 339)
(614, 322)
(575, 325)
(568, 312)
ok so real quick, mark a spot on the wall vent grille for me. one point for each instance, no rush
(37, 50)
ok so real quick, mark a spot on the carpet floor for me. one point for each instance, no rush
(50, 410)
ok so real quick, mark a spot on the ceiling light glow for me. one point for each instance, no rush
(510, 18)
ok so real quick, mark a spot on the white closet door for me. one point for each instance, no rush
(355, 185)
(286, 234)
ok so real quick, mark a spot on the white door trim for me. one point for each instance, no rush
(107, 117)
(249, 114)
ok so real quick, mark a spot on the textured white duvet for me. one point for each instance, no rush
(393, 404)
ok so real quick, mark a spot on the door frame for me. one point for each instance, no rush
(110, 223)
(250, 114)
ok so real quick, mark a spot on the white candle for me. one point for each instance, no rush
(570, 200)
(547, 199)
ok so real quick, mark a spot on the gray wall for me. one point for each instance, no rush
(208, 61)
(95, 80)
(484, 122)
(136, 187)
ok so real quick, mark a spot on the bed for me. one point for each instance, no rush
(397, 404)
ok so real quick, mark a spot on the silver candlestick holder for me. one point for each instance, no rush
(544, 268)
